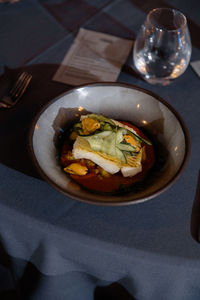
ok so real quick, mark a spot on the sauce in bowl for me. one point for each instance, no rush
(97, 179)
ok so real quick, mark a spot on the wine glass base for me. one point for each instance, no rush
(158, 81)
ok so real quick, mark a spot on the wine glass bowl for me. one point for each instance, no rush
(162, 49)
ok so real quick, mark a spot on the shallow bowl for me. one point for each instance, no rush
(144, 109)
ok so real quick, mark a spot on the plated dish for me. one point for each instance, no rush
(104, 155)
(125, 110)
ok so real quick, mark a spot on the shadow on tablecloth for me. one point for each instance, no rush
(15, 123)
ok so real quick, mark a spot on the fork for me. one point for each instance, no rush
(16, 91)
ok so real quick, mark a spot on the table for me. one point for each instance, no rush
(53, 247)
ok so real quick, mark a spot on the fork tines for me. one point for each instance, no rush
(16, 91)
(20, 86)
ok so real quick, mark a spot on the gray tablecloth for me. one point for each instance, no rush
(146, 247)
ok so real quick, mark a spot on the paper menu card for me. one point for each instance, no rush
(93, 57)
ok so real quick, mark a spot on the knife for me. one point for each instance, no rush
(195, 217)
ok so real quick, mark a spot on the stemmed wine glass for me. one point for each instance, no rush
(162, 49)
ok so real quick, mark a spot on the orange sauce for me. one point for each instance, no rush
(115, 182)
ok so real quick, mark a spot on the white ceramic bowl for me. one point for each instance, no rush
(118, 101)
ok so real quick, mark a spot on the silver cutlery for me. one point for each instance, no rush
(195, 217)
(16, 91)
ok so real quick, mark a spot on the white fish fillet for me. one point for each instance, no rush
(81, 149)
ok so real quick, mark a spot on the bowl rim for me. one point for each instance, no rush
(107, 202)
